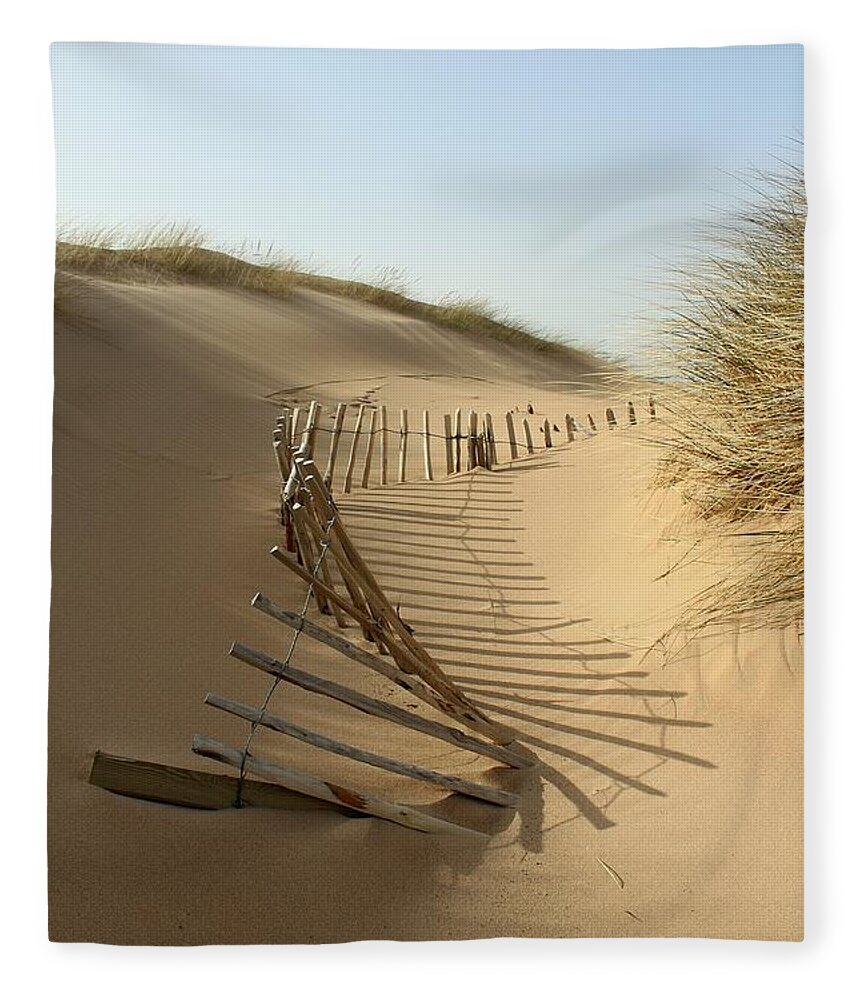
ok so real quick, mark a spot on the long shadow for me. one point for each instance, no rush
(501, 662)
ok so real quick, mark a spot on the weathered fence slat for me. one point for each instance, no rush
(182, 786)
(449, 445)
(591, 424)
(428, 465)
(328, 791)
(353, 450)
(371, 441)
(277, 724)
(404, 441)
(379, 709)
(568, 426)
(611, 421)
(512, 436)
(335, 442)
(530, 448)
(547, 433)
(473, 440)
(458, 434)
(296, 430)
(309, 435)
(631, 413)
(383, 446)
(491, 441)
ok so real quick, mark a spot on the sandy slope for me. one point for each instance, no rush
(670, 800)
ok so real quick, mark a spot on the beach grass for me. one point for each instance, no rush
(181, 253)
(736, 402)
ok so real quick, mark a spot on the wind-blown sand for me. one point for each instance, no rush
(671, 799)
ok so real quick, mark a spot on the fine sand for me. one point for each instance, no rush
(669, 798)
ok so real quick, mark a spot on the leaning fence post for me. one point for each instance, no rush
(371, 440)
(449, 445)
(335, 441)
(592, 425)
(309, 436)
(383, 434)
(512, 437)
(547, 433)
(353, 450)
(473, 440)
(297, 423)
(528, 433)
(428, 466)
(458, 432)
(610, 418)
(404, 437)
(631, 413)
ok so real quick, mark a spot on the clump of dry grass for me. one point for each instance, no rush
(737, 409)
(170, 252)
(180, 252)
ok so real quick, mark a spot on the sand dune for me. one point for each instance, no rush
(669, 799)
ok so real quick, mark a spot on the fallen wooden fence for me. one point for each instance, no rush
(341, 586)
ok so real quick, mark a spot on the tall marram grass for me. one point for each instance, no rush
(737, 409)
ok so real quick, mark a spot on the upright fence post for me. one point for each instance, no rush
(528, 433)
(383, 433)
(371, 441)
(473, 440)
(428, 466)
(449, 445)
(353, 450)
(547, 433)
(404, 439)
(610, 418)
(631, 413)
(652, 409)
(512, 436)
(492, 457)
(568, 426)
(458, 433)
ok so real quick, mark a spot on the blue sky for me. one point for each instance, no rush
(562, 184)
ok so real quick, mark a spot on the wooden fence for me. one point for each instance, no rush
(469, 438)
(343, 588)
(339, 583)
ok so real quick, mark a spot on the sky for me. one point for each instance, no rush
(562, 185)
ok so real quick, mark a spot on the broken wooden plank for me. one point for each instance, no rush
(328, 791)
(191, 789)
(473, 789)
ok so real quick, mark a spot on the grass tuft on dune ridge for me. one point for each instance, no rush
(737, 412)
(180, 253)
